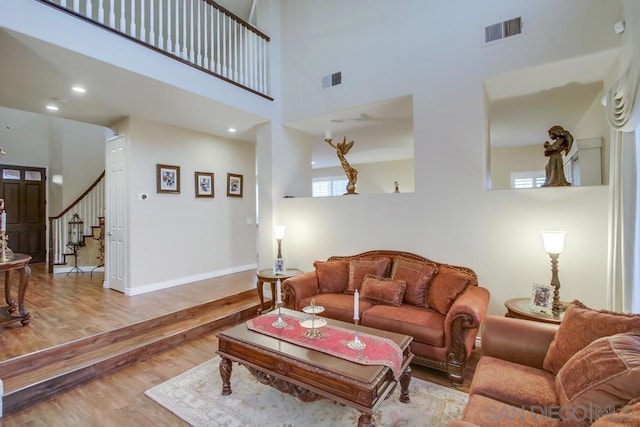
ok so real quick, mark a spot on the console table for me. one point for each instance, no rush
(19, 263)
(269, 276)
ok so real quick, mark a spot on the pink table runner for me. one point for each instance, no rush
(379, 351)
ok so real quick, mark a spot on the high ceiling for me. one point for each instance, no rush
(523, 104)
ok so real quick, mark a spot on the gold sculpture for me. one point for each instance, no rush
(562, 141)
(342, 148)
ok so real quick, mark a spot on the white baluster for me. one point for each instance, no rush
(76, 6)
(123, 19)
(191, 33)
(218, 37)
(112, 13)
(241, 53)
(207, 30)
(88, 9)
(176, 50)
(160, 26)
(235, 51)
(224, 40)
(199, 28)
(143, 31)
(132, 24)
(184, 29)
(101, 11)
(263, 64)
(63, 3)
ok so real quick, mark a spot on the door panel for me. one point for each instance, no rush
(115, 219)
(23, 190)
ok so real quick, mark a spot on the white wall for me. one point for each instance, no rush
(178, 238)
(377, 177)
(450, 217)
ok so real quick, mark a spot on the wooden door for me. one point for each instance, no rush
(23, 190)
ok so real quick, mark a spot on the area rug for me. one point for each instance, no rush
(195, 397)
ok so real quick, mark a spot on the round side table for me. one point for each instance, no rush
(519, 309)
(268, 276)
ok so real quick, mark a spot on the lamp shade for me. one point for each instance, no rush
(553, 241)
(279, 231)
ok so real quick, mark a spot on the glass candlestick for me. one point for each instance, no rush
(356, 344)
(279, 323)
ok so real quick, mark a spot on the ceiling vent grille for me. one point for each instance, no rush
(502, 30)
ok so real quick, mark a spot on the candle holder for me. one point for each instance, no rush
(356, 344)
(279, 323)
(315, 322)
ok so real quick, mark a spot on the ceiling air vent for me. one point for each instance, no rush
(502, 30)
(332, 80)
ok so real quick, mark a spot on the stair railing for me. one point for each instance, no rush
(200, 33)
(89, 206)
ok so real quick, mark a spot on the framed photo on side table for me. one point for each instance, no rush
(278, 266)
(234, 185)
(204, 184)
(167, 178)
(541, 298)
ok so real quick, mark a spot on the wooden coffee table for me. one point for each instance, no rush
(310, 375)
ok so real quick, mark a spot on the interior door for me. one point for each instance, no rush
(115, 218)
(23, 190)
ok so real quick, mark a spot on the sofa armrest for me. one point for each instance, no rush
(296, 288)
(461, 326)
(517, 340)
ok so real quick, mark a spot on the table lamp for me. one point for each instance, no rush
(554, 245)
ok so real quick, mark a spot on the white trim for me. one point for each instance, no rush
(186, 280)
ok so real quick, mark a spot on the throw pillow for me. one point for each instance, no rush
(621, 418)
(358, 268)
(602, 376)
(446, 287)
(417, 275)
(582, 325)
(382, 291)
(333, 276)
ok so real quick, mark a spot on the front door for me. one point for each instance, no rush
(23, 189)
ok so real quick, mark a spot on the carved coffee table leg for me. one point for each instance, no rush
(225, 374)
(366, 420)
(405, 379)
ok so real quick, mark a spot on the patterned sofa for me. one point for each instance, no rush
(584, 372)
(441, 306)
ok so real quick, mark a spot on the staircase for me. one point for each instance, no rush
(36, 376)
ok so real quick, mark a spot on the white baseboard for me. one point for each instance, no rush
(66, 269)
(188, 279)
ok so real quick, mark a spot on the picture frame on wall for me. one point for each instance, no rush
(541, 298)
(234, 185)
(168, 178)
(204, 184)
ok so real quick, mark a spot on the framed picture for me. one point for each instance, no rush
(278, 266)
(204, 184)
(541, 298)
(168, 179)
(234, 185)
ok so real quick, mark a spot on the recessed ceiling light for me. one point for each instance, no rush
(52, 107)
(78, 89)
(232, 130)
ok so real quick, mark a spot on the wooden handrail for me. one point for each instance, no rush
(240, 21)
(82, 196)
(67, 209)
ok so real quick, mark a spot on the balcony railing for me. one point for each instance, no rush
(200, 33)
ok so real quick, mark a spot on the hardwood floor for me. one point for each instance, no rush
(70, 307)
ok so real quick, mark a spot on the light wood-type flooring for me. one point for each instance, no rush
(66, 308)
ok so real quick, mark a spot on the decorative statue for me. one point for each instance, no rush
(562, 141)
(342, 148)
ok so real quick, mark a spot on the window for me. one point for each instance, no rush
(329, 186)
(527, 179)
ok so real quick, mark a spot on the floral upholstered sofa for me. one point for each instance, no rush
(584, 372)
(441, 306)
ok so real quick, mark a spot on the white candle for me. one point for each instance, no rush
(4, 221)
(278, 292)
(327, 134)
(356, 305)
